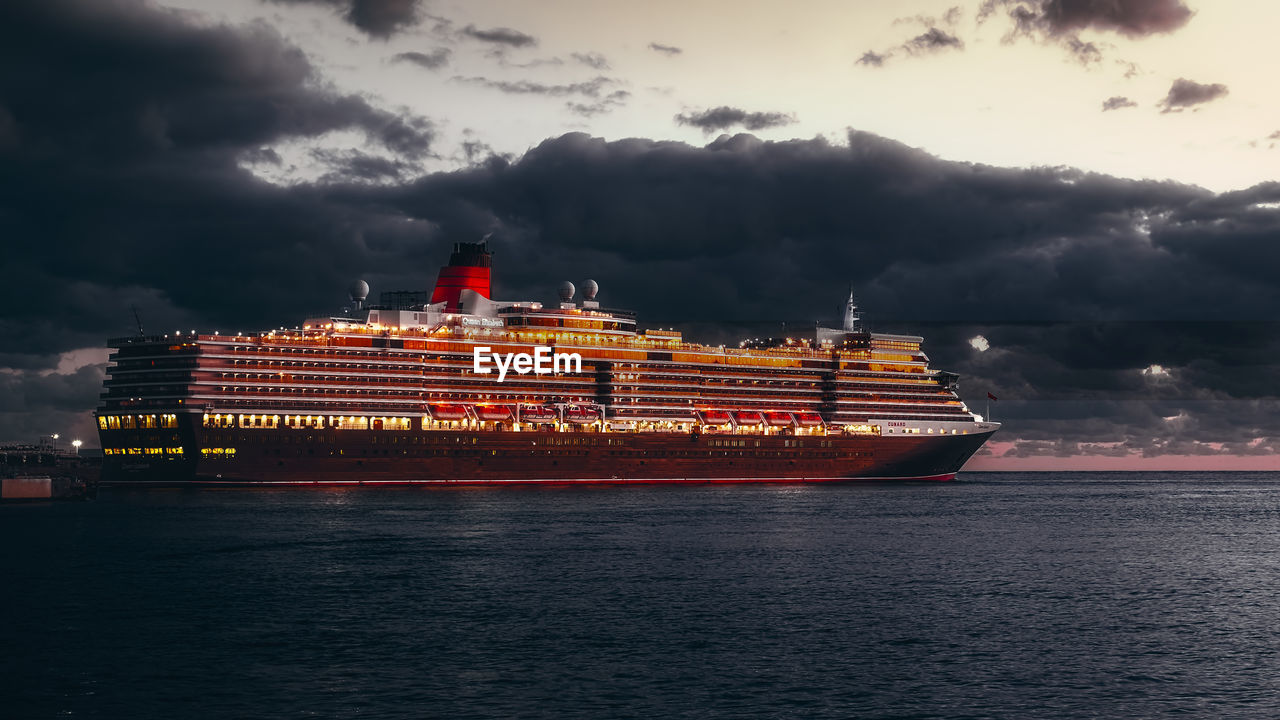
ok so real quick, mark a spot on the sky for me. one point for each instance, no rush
(1073, 201)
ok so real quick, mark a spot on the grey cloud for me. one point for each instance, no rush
(1085, 53)
(262, 155)
(949, 18)
(724, 117)
(932, 40)
(433, 60)
(605, 104)
(1186, 93)
(665, 49)
(592, 60)
(1135, 18)
(589, 88)
(357, 166)
(1061, 21)
(871, 58)
(1116, 102)
(500, 36)
(377, 18)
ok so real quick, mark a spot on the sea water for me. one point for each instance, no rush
(997, 596)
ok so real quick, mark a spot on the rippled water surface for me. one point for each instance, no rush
(999, 596)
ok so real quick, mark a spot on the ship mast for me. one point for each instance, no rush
(852, 318)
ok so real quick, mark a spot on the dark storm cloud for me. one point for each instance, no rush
(382, 18)
(725, 117)
(1079, 281)
(356, 166)
(665, 49)
(36, 405)
(120, 191)
(433, 60)
(1186, 93)
(500, 36)
(932, 40)
(169, 87)
(1116, 102)
(123, 184)
(377, 18)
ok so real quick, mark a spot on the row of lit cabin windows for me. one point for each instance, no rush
(462, 365)
(689, 381)
(877, 344)
(342, 422)
(274, 384)
(130, 422)
(556, 441)
(339, 422)
(707, 356)
(171, 451)
(710, 361)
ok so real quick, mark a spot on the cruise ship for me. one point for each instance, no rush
(454, 387)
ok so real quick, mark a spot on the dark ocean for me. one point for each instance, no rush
(1056, 595)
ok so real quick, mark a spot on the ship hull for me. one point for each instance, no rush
(288, 457)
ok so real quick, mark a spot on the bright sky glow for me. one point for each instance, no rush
(1005, 102)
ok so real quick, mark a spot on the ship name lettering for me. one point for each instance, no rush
(543, 361)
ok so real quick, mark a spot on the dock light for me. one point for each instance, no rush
(76, 444)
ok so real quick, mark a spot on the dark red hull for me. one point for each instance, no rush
(293, 457)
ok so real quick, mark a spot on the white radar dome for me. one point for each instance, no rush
(359, 290)
(566, 291)
(589, 290)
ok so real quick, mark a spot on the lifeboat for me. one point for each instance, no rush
(808, 419)
(448, 412)
(778, 419)
(493, 412)
(581, 414)
(749, 417)
(714, 417)
(538, 414)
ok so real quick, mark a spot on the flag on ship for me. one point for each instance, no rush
(992, 397)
